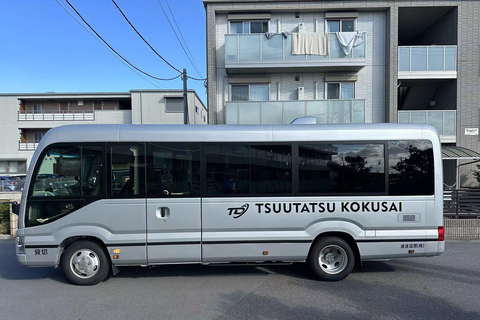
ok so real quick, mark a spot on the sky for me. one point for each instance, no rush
(44, 49)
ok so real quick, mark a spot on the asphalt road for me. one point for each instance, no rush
(445, 287)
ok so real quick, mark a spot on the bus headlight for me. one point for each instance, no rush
(20, 244)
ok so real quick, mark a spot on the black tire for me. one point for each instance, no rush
(85, 263)
(331, 259)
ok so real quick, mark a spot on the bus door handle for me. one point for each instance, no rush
(163, 212)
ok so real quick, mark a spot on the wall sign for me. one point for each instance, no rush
(471, 131)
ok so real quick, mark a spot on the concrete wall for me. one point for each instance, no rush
(149, 107)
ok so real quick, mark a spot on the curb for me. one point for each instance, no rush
(5, 237)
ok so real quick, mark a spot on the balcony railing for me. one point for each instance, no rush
(27, 145)
(443, 120)
(425, 62)
(284, 112)
(57, 116)
(256, 48)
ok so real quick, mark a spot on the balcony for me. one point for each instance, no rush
(254, 53)
(284, 112)
(443, 120)
(427, 62)
(57, 116)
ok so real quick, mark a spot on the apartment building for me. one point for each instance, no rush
(27, 117)
(272, 61)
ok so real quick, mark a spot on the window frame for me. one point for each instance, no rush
(340, 89)
(249, 27)
(230, 91)
(355, 27)
(37, 108)
(173, 111)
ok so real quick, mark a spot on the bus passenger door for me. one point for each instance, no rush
(173, 203)
(125, 204)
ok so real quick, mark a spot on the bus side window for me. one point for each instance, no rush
(173, 170)
(127, 171)
(92, 170)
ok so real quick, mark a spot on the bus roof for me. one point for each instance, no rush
(237, 133)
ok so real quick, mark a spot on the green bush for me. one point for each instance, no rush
(4, 218)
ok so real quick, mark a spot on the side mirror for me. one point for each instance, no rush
(16, 207)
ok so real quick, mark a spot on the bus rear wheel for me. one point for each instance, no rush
(85, 263)
(332, 259)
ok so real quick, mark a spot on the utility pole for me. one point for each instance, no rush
(185, 96)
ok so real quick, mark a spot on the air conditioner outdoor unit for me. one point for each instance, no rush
(301, 27)
(301, 91)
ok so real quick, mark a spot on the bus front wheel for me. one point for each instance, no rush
(332, 259)
(85, 263)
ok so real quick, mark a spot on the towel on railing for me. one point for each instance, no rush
(313, 43)
(348, 40)
(271, 34)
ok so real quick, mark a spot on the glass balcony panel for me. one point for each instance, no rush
(249, 113)
(435, 118)
(359, 51)
(231, 47)
(337, 112)
(404, 59)
(419, 59)
(335, 51)
(404, 117)
(450, 58)
(319, 110)
(249, 47)
(293, 110)
(358, 111)
(449, 123)
(435, 58)
(272, 49)
(418, 117)
(272, 112)
(231, 113)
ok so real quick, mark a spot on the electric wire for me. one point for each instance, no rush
(144, 40)
(166, 16)
(116, 52)
(83, 26)
(185, 42)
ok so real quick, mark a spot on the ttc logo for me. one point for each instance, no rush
(238, 212)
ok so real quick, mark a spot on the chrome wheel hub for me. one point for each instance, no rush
(333, 259)
(85, 263)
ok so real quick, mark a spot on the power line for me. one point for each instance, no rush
(148, 44)
(185, 42)
(111, 48)
(83, 26)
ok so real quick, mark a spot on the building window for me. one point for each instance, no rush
(341, 25)
(197, 110)
(249, 92)
(341, 90)
(37, 108)
(247, 27)
(37, 136)
(174, 105)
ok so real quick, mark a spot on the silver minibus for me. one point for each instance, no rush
(98, 197)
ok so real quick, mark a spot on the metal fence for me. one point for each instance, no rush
(461, 203)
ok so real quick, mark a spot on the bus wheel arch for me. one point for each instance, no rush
(84, 260)
(340, 249)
